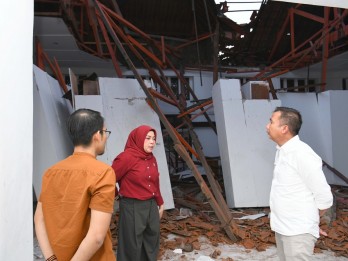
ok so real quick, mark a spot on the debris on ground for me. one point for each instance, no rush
(182, 227)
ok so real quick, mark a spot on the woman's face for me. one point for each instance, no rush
(150, 142)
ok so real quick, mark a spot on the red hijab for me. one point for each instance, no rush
(135, 142)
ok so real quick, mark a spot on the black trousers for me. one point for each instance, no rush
(138, 230)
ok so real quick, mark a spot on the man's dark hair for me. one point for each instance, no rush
(83, 124)
(290, 117)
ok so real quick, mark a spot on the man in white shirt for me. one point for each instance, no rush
(299, 192)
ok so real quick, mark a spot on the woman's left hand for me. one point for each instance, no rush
(160, 210)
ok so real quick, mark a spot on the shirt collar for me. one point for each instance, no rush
(83, 154)
(289, 144)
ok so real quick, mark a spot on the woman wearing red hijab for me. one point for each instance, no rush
(141, 202)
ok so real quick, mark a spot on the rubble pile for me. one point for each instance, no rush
(252, 233)
(337, 227)
(182, 227)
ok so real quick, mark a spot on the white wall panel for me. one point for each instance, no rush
(247, 154)
(53, 111)
(260, 151)
(337, 111)
(221, 127)
(44, 154)
(324, 124)
(311, 131)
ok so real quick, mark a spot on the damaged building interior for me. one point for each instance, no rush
(209, 86)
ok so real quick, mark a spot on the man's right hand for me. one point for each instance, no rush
(322, 232)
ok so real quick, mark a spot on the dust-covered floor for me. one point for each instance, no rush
(221, 252)
(188, 234)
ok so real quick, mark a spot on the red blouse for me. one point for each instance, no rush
(136, 171)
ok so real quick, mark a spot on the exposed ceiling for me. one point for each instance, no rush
(266, 34)
(178, 22)
(57, 41)
(65, 32)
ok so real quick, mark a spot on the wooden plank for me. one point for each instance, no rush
(90, 87)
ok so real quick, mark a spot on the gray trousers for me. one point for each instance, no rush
(295, 248)
(138, 230)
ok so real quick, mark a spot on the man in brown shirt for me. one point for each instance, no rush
(73, 214)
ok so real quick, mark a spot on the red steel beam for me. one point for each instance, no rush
(124, 21)
(201, 38)
(290, 16)
(325, 48)
(153, 74)
(309, 16)
(132, 27)
(185, 144)
(162, 97)
(39, 55)
(145, 51)
(195, 116)
(320, 32)
(278, 73)
(272, 89)
(292, 31)
(111, 50)
(59, 76)
(93, 24)
(195, 108)
(163, 50)
(279, 36)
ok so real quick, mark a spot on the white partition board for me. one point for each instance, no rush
(125, 108)
(51, 140)
(324, 99)
(324, 123)
(339, 127)
(247, 154)
(43, 156)
(311, 131)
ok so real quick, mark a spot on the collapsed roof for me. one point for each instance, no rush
(197, 32)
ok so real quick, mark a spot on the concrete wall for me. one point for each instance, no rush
(16, 132)
(324, 126)
(247, 154)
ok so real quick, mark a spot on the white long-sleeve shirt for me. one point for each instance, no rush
(299, 189)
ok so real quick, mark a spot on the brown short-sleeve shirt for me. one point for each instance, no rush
(70, 189)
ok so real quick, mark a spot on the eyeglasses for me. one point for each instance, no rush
(107, 133)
